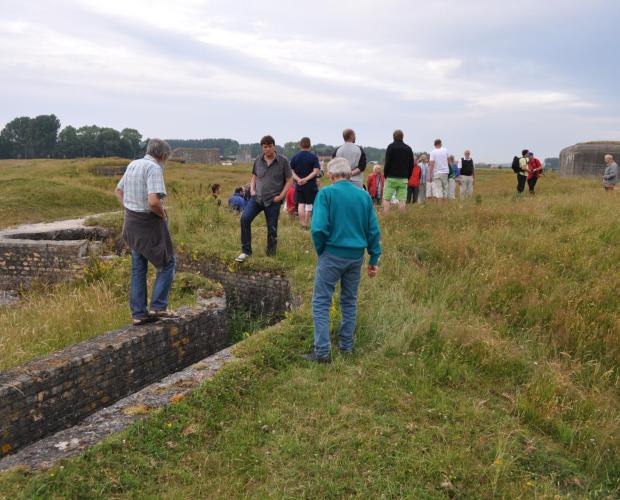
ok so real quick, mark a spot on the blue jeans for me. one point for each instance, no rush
(161, 288)
(329, 270)
(272, 213)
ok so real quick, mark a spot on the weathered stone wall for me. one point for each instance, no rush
(587, 159)
(58, 391)
(260, 293)
(197, 155)
(23, 261)
(109, 171)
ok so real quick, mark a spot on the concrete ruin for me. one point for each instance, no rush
(197, 155)
(586, 159)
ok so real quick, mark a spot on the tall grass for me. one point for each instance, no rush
(486, 365)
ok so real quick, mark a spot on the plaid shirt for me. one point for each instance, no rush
(141, 178)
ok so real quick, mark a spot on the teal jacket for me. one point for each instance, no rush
(344, 222)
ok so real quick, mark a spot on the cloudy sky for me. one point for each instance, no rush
(491, 75)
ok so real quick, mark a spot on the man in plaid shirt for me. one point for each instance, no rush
(141, 192)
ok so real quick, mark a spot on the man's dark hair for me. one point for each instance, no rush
(347, 134)
(267, 140)
(398, 135)
(525, 152)
(238, 190)
(305, 143)
(437, 142)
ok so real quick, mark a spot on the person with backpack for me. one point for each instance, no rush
(519, 167)
(413, 184)
(466, 179)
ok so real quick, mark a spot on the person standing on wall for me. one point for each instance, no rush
(306, 167)
(610, 176)
(397, 170)
(355, 156)
(438, 171)
(534, 171)
(343, 227)
(141, 191)
(467, 175)
(271, 179)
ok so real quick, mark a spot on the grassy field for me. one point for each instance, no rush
(486, 362)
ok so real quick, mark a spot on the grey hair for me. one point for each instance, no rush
(611, 157)
(159, 149)
(339, 167)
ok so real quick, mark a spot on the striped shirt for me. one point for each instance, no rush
(142, 177)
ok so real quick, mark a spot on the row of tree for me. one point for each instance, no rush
(39, 137)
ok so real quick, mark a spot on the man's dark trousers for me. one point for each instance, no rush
(272, 213)
(521, 179)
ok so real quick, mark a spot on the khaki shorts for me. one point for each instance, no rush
(440, 185)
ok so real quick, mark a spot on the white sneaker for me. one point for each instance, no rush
(242, 257)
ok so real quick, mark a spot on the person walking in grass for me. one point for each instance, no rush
(343, 227)
(521, 170)
(397, 170)
(438, 170)
(534, 168)
(453, 177)
(466, 179)
(354, 154)
(423, 164)
(413, 184)
(306, 167)
(610, 176)
(141, 192)
(376, 184)
(271, 180)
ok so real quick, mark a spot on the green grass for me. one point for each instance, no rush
(486, 364)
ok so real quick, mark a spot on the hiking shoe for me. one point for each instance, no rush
(144, 320)
(312, 357)
(346, 354)
(242, 257)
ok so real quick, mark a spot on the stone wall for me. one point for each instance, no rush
(260, 293)
(197, 155)
(23, 261)
(57, 391)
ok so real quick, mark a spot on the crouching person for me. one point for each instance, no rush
(344, 225)
(141, 191)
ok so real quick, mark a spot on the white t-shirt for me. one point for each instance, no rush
(440, 157)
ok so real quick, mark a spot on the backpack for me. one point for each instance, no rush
(516, 165)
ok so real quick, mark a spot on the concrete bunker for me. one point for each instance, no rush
(586, 159)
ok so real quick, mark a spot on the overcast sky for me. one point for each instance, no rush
(491, 75)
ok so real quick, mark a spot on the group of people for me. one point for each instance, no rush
(341, 216)
(406, 179)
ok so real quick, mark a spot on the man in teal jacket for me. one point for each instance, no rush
(344, 225)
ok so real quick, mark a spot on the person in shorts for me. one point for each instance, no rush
(397, 170)
(306, 168)
(438, 170)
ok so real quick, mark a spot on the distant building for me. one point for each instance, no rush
(197, 155)
(587, 158)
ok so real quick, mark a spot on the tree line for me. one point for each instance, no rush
(42, 137)
(39, 137)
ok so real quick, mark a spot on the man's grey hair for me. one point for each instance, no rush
(159, 149)
(339, 167)
(611, 157)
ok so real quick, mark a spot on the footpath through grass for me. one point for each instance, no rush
(486, 365)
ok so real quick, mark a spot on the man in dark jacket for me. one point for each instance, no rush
(397, 170)
(237, 202)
